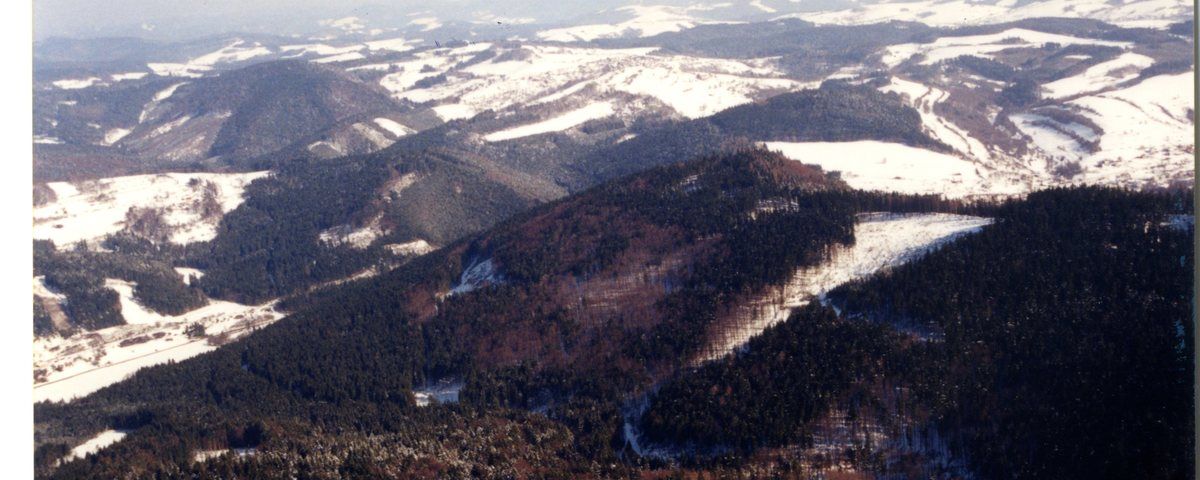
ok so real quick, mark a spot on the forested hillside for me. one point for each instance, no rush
(1052, 345)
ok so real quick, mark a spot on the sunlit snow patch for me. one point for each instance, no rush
(95, 444)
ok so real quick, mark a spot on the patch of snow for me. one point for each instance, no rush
(115, 135)
(562, 122)
(76, 84)
(177, 70)
(129, 76)
(393, 126)
(415, 247)
(238, 51)
(392, 44)
(45, 140)
(95, 444)
(89, 210)
(455, 111)
(1048, 139)
(359, 238)
(376, 137)
(171, 125)
(478, 274)
(759, 5)
(206, 455)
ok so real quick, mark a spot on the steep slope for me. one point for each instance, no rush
(250, 112)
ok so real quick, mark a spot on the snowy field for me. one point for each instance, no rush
(871, 165)
(90, 210)
(882, 240)
(68, 368)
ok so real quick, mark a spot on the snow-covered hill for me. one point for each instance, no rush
(515, 75)
(183, 207)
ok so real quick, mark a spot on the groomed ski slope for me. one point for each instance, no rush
(882, 240)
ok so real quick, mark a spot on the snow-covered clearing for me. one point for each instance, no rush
(188, 273)
(75, 366)
(444, 391)
(95, 444)
(76, 84)
(1129, 13)
(393, 126)
(562, 122)
(90, 210)
(1100, 76)
(882, 240)
(945, 48)
(1048, 139)
(206, 455)
(872, 165)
